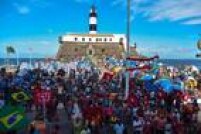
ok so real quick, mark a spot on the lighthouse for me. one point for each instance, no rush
(92, 44)
(93, 21)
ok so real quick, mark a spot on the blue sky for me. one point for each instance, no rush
(166, 27)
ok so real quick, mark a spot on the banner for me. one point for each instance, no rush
(143, 59)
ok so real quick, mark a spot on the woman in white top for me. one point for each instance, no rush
(137, 126)
(168, 127)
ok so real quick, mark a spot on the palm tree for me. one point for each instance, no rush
(199, 47)
(9, 50)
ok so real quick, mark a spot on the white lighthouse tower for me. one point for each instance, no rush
(93, 21)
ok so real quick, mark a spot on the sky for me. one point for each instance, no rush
(169, 28)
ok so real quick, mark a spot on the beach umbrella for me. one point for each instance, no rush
(195, 69)
(165, 84)
(147, 77)
(149, 86)
(178, 87)
(178, 84)
(12, 118)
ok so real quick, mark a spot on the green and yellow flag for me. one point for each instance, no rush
(12, 118)
(20, 96)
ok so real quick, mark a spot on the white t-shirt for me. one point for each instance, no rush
(168, 129)
(84, 131)
(138, 125)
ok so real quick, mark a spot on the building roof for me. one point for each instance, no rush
(93, 35)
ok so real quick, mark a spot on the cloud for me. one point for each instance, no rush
(174, 48)
(193, 22)
(171, 10)
(21, 9)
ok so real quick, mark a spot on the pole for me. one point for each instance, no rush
(127, 48)
(44, 109)
(17, 56)
(30, 60)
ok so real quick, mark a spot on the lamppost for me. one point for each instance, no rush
(127, 48)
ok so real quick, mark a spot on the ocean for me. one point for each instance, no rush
(181, 62)
(172, 62)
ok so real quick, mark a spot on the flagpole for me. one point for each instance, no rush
(30, 58)
(44, 109)
(128, 48)
(17, 56)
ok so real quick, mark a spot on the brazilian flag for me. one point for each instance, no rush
(20, 96)
(12, 118)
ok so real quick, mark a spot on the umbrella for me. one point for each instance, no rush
(165, 84)
(147, 77)
(149, 86)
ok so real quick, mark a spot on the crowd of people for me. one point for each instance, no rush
(95, 103)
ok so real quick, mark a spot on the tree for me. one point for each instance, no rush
(199, 47)
(9, 50)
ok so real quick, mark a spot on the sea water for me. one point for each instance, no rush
(171, 62)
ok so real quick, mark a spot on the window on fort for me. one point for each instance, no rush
(110, 39)
(90, 52)
(105, 39)
(121, 41)
(76, 39)
(103, 50)
(76, 49)
(83, 39)
(96, 39)
(90, 39)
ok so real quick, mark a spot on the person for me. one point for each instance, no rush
(33, 129)
(160, 124)
(137, 126)
(56, 129)
(85, 130)
(77, 125)
(168, 127)
(119, 127)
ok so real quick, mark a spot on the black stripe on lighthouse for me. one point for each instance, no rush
(93, 14)
(92, 27)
